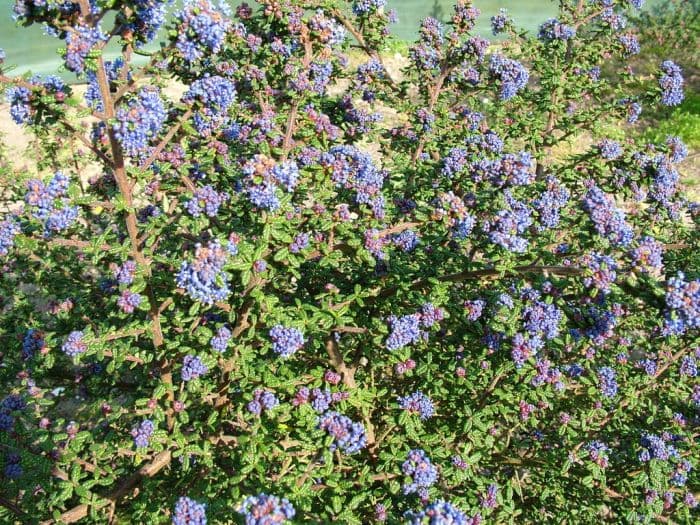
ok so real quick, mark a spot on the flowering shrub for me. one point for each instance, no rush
(313, 290)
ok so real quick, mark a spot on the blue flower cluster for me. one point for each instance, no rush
(192, 368)
(142, 433)
(440, 512)
(201, 29)
(609, 149)
(19, 99)
(139, 121)
(598, 452)
(263, 400)
(300, 242)
(418, 403)
(601, 271)
(630, 44)
(74, 344)
(354, 170)
(286, 341)
(609, 220)
(608, 383)
(405, 330)
(508, 225)
(13, 469)
(266, 510)
(328, 30)
(204, 279)
(128, 301)
(647, 257)
(189, 512)
(214, 95)
(79, 42)
(49, 204)
(32, 343)
(264, 176)
(500, 21)
(10, 404)
(148, 18)
(633, 109)
(682, 305)
(207, 200)
(689, 366)
(552, 29)
(220, 341)
(9, 229)
(656, 447)
(542, 319)
(511, 73)
(549, 204)
(422, 472)
(363, 7)
(124, 274)
(348, 435)
(671, 84)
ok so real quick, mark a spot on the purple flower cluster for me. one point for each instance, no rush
(474, 308)
(264, 176)
(49, 204)
(689, 366)
(263, 400)
(19, 99)
(128, 301)
(266, 510)
(511, 73)
(506, 228)
(204, 279)
(286, 341)
(656, 447)
(633, 109)
(201, 29)
(678, 151)
(488, 500)
(80, 40)
(549, 204)
(671, 84)
(74, 344)
(542, 319)
(148, 18)
(300, 242)
(418, 403)
(405, 330)
(363, 7)
(609, 220)
(348, 436)
(500, 22)
(422, 472)
(142, 433)
(601, 271)
(329, 31)
(140, 120)
(609, 149)
(647, 257)
(13, 469)
(189, 512)
(9, 229)
(354, 170)
(213, 95)
(32, 343)
(630, 44)
(598, 452)
(608, 383)
(124, 274)
(206, 199)
(192, 368)
(682, 305)
(440, 512)
(220, 341)
(552, 30)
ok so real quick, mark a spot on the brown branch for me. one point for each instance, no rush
(336, 359)
(149, 470)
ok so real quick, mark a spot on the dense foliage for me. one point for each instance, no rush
(311, 288)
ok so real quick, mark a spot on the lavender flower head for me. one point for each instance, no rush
(74, 345)
(266, 510)
(418, 403)
(348, 436)
(286, 341)
(189, 512)
(422, 472)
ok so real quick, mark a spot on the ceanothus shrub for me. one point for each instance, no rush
(312, 288)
